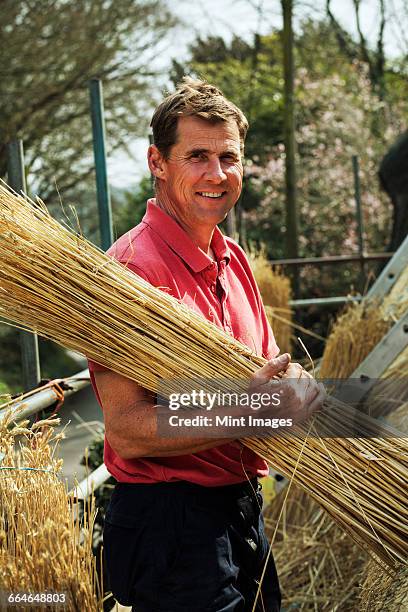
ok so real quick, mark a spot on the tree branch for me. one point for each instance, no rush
(341, 34)
(380, 60)
(363, 43)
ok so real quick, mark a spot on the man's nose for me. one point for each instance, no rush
(215, 172)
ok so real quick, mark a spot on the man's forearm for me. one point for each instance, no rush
(131, 422)
(137, 436)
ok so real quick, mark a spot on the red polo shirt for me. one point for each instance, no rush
(161, 252)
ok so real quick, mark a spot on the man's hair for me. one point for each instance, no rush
(193, 98)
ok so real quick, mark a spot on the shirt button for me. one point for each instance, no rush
(213, 288)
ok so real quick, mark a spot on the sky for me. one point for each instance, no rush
(228, 17)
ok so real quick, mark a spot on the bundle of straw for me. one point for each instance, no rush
(276, 294)
(356, 332)
(317, 563)
(59, 285)
(332, 563)
(391, 391)
(43, 547)
(383, 592)
(386, 591)
(359, 329)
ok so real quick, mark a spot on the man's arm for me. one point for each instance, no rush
(130, 417)
(130, 421)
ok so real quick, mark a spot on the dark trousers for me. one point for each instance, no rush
(180, 547)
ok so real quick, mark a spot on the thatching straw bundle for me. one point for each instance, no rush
(276, 294)
(318, 564)
(293, 517)
(43, 548)
(359, 329)
(399, 418)
(384, 592)
(390, 393)
(356, 332)
(58, 284)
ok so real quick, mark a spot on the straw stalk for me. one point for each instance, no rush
(54, 282)
(276, 294)
(44, 548)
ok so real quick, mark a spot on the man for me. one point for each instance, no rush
(184, 530)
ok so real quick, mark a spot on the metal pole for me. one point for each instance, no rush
(360, 222)
(102, 186)
(324, 301)
(30, 358)
(88, 485)
(330, 259)
(44, 397)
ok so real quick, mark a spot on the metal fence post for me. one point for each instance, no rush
(102, 185)
(30, 359)
(360, 222)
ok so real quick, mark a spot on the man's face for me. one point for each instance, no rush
(202, 177)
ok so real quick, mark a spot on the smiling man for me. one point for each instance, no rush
(201, 176)
(184, 530)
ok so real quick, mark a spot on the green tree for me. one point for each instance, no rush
(56, 362)
(251, 76)
(129, 206)
(50, 49)
(337, 112)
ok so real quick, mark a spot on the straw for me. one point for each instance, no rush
(382, 592)
(44, 547)
(56, 283)
(359, 329)
(275, 290)
(317, 563)
(330, 566)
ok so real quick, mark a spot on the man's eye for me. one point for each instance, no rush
(198, 156)
(229, 158)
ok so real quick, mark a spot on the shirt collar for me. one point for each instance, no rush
(180, 242)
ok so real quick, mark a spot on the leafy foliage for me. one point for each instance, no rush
(250, 76)
(50, 50)
(129, 206)
(339, 114)
(55, 361)
(4, 388)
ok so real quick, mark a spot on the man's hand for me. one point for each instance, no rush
(300, 395)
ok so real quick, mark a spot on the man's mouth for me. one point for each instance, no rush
(211, 194)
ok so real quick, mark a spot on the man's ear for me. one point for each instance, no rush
(156, 162)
